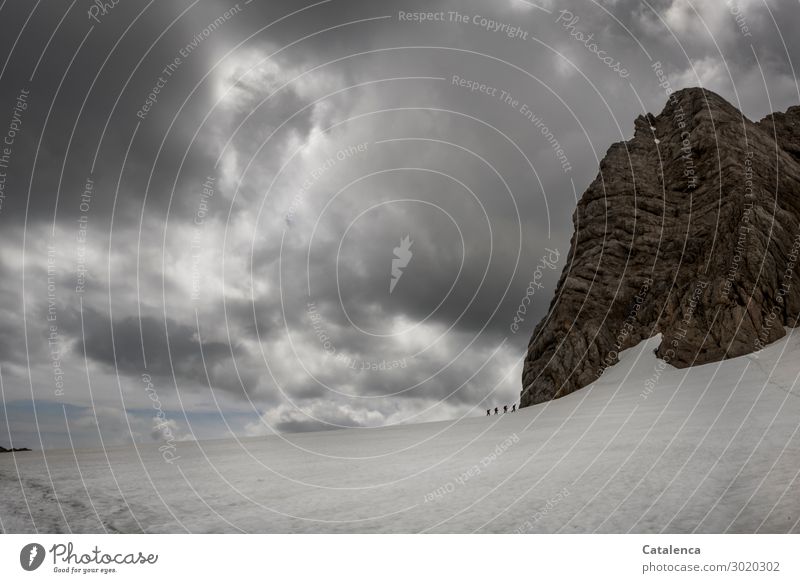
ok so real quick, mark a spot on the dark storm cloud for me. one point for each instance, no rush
(11, 350)
(266, 114)
(118, 72)
(95, 71)
(157, 347)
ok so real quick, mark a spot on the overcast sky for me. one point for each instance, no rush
(201, 200)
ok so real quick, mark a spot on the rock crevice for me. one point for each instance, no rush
(692, 230)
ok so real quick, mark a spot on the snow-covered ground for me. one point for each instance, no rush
(714, 448)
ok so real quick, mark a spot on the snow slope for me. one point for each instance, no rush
(713, 448)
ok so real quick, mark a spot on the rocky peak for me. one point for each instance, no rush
(690, 230)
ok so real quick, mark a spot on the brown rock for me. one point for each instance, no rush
(695, 236)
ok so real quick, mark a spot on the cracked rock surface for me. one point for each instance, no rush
(692, 230)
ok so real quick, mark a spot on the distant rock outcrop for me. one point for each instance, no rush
(4, 450)
(691, 229)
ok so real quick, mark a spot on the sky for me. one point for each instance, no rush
(234, 219)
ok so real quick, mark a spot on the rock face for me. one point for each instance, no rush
(13, 449)
(692, 230)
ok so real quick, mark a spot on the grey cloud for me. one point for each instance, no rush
(585, 106)
(156, 347)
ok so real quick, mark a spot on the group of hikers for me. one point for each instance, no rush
(505, 409)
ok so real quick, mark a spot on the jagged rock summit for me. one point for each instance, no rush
(692, 230)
